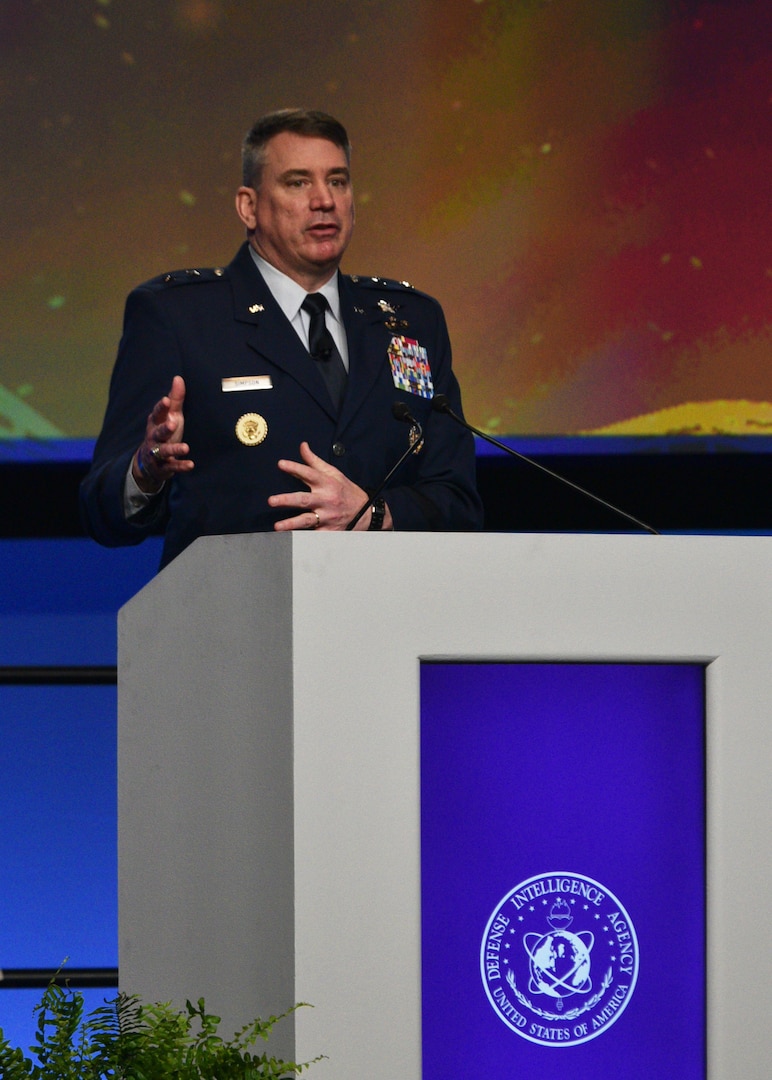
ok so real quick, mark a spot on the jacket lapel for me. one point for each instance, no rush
(267, 330)
(368, 341)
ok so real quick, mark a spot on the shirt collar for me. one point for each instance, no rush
(288, 294)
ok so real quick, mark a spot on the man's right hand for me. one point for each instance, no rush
(162, 454)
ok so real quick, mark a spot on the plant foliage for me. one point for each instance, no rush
(128, 1040)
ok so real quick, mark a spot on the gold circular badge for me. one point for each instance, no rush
(251, 429)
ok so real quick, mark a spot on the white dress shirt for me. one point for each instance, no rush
(290, 296)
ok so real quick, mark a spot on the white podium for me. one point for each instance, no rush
(269, 847)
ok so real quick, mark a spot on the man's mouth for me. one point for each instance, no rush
(323, 229)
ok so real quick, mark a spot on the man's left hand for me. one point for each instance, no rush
(331, 501)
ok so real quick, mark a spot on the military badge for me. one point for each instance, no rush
(251, 429)
(410, 369)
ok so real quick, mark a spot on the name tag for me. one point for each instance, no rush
(247, 382)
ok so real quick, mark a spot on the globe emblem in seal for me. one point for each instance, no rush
(559, 959)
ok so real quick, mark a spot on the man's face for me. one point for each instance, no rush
(302, 216)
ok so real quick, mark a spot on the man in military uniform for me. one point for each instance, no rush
(276, 357)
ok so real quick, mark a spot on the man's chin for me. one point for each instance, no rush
(325, 255)
(326, 247)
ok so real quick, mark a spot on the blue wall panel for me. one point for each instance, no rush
(58, 825)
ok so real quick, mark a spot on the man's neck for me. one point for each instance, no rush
(312, 281)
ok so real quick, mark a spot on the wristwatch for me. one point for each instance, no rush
(378, 512)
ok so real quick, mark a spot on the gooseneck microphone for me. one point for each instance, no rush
(441, 404)
(400, 411)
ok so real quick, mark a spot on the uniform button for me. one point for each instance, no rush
(338, 449)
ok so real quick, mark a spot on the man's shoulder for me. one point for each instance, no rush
(376, 283)
(173, 279)
(239, 273)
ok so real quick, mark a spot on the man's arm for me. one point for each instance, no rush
(442, 492)
(144, 370)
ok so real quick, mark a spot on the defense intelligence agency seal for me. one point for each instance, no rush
(251, 429)
(559, 959)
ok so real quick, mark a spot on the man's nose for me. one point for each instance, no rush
(321, 197)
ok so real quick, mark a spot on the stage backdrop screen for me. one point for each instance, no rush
(563, 870)
(584, 186)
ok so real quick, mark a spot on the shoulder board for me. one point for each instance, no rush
(381, 283)
(187, 277)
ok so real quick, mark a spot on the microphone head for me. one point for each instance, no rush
(440, 403)
(400, 410)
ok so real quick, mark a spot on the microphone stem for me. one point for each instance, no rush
(549, 472)
(412, 449)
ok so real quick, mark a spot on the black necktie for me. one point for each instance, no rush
(322, 347)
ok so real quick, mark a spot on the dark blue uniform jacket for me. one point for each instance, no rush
(215, 325)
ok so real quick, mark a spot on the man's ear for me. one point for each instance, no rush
(246, 206)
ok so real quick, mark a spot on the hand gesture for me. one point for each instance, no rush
(163, 454)
(331, 501)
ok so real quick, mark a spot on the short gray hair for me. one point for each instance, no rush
(309, 122)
